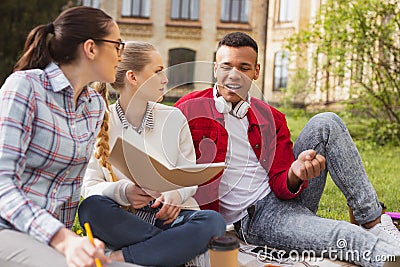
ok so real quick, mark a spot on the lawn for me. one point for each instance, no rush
(381, 163)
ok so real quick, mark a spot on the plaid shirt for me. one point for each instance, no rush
(45, 144)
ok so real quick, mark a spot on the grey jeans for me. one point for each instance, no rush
(20, 250)
(293, 226)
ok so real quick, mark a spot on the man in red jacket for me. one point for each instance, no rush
(270, 190)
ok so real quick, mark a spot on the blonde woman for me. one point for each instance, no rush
(158, 232)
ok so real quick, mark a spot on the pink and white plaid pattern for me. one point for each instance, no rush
(45, 145)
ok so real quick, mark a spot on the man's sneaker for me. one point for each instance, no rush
(202, 260)
(386, 230)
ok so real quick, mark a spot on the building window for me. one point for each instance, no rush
(92, 3)
(236, 11)
(286, 10)
(281, 64)
(185, 9)
(181, 75)
(135, 8)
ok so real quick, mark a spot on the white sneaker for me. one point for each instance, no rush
(202, 260)
(386, 231)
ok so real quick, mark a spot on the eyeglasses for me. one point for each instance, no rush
(120, 48)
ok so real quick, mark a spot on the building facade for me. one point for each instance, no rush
(189, 30)
(285, 17)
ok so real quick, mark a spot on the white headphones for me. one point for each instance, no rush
(222, 106)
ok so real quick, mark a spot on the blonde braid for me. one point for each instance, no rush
(102, 151)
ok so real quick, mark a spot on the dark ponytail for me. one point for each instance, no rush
(36, 53)
(59, 41)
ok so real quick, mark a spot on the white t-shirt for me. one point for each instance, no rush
(244, 181)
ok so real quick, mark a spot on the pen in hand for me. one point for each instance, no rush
(90, 236)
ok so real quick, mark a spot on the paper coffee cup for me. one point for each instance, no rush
(223, 251)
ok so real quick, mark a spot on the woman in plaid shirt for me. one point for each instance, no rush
(49, 119)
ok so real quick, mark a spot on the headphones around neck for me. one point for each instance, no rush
(222, 106)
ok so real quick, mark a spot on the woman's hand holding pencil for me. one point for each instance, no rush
(78, 251)
(91, 239)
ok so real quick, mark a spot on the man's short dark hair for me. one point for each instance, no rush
(238, 39)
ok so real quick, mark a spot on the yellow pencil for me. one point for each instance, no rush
(90, 236)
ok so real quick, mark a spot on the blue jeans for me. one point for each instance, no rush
(146, 244)
(293, 225)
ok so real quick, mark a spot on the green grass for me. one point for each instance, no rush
(381, 164)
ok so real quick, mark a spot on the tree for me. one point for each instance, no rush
(17, 18)
(358, 41)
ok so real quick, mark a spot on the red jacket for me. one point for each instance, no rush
(268, 135)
